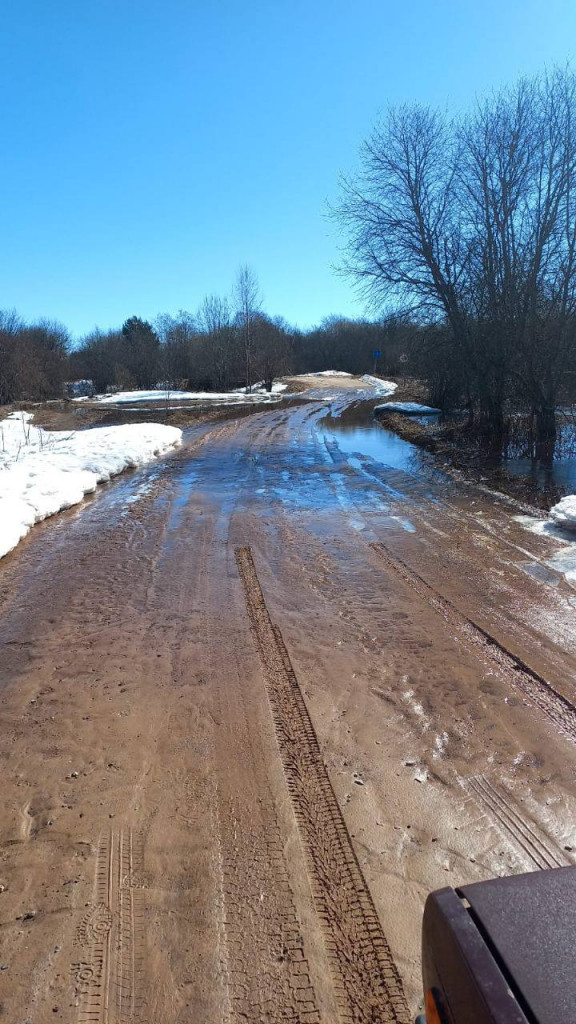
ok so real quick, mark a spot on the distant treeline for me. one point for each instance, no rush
(468, 224)
(226, 343)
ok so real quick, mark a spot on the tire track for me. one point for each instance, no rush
(266, 975)
(510, 667)
(367, 983)
(522, 833)
(107, 978)
(267, 969)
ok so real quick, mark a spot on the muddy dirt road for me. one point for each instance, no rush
(257, 700)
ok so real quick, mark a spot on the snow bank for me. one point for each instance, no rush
(321, 373)
(330, 373)
(258, 394)
(381, 387)
(564, 558)
(408, 408)
(260, 389)
(42, 472)
(564, 513)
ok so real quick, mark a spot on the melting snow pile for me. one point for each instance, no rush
(408, 408)
(257, 394)
(564, 513)
(42, 472)
(381, 387)
(329, 373)
(260, 389)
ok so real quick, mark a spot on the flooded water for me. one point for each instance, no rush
(557, 474)
(544, 475)
(358, 433)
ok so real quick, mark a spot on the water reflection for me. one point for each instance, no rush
(557, 472)
(545, 474)
(358, 433)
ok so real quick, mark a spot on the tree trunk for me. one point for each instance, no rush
(494, 425)
(545, 431)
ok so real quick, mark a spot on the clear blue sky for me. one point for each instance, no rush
(151, 146)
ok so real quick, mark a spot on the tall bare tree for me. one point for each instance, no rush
(215, 320)
(518, 178)
(471, 225)
(272, 349)
(248, 302)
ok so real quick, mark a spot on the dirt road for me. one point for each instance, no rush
(256, 702)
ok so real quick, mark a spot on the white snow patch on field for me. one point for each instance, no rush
(42, 472)
(260, 389)
(258, 394)
(408, 408)
(329, 373)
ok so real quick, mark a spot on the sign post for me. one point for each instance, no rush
(376, 356)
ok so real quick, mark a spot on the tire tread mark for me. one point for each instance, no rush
(542, 693)
(91, 976)
(106, 979)
(367, 983)
(501, 806)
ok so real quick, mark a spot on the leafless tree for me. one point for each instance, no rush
(518, 179)
(272, 349)
(214, 319)
(471, 226)
(248, 301)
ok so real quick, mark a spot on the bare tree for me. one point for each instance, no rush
(272, 349)
(405, 248)
(248, 301)
(214, 319)
(471, 226)
(518, 178)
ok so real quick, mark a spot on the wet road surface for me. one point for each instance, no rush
(258, 700)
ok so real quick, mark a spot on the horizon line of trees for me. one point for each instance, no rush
(467, 225)
(228, 342)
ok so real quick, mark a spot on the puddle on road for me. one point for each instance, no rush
(368, 438)
(359, 434)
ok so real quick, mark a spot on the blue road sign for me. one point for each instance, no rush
(376, 353)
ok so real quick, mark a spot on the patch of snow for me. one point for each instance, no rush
(440, 743)
(416, 707)
(408, 408)
(329, 373)
(564, 559)
(381, 387)
(564, 513)
(260, 389)
(143, 397)
(42, 472)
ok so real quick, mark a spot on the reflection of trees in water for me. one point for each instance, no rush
(550, 473)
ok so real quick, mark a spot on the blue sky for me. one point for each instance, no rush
(149, 147)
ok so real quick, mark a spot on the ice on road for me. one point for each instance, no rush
(42, 472)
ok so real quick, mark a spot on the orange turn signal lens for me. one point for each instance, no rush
(432, 1011)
